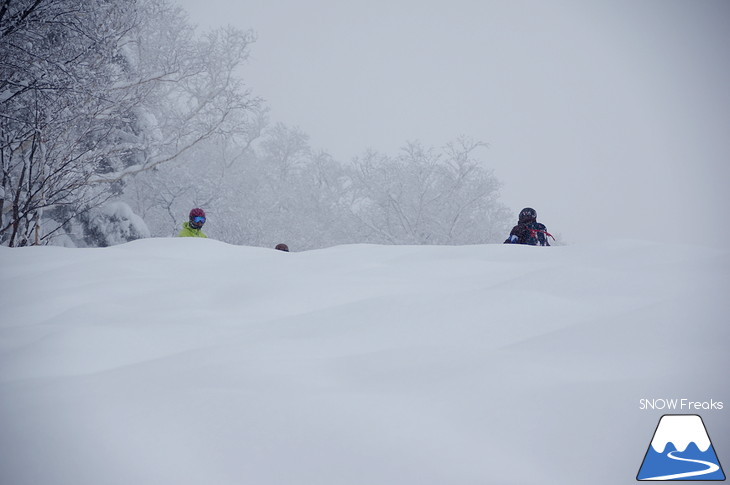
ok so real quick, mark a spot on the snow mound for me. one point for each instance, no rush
(188, 361)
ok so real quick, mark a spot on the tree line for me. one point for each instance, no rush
(117, 117)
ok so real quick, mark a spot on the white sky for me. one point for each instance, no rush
(611, 118)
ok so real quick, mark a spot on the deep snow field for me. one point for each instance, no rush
(191, 362)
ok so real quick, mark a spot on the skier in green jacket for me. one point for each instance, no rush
(193, 228)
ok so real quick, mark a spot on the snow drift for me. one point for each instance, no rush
(186, 361)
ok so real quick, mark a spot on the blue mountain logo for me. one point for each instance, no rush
(681, 450)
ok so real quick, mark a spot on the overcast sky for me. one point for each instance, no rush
(611, 118)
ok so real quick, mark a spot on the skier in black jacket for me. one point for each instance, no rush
(528, 230)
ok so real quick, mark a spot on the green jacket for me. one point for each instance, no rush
(188, 231)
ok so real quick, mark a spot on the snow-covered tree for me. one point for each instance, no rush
(97, 96)
(215, 174)
(276, 188)
(427, 196)
(93, 91)
(58, 63)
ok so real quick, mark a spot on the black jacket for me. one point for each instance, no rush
(532, 233)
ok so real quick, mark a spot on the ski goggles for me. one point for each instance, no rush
(199, 220)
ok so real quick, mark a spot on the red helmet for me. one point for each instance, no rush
(197, 218)
(197, 213)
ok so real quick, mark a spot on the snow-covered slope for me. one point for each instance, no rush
(186, 361)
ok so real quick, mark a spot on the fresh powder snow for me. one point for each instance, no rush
(190, 361)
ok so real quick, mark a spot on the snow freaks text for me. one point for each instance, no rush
(679, 405)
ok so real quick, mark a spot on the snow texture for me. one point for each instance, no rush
(190, 361)
(120, 224)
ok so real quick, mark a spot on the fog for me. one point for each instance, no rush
(610, 118)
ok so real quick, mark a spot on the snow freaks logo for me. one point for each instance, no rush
(681, 450)
(679, 404)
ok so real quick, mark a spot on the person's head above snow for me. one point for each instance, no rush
(282, 247)
(528, 214)
(197, 218)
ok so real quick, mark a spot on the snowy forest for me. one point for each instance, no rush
(118, 116)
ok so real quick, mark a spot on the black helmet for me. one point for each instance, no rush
(528, 214)
(282, 247)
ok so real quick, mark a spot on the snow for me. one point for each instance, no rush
(5, 95)
(189, 361)
(119, 223)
